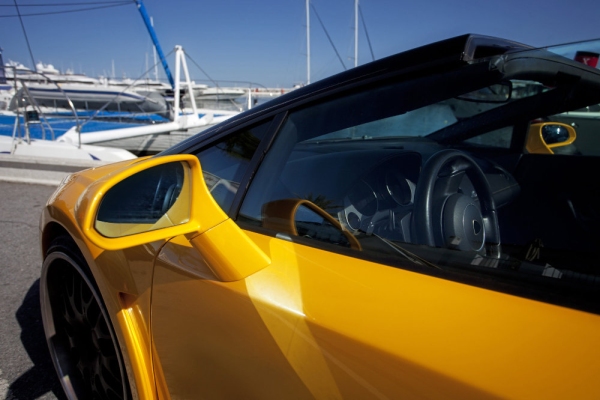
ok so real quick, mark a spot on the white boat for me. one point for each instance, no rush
(21, 144)
(219, 93)
(90, 97)
(6, 90)
(40, 149)
(203, 94)
(47, 87)
(188, 121)
(182, 121)
(141, 85)
(6, 95)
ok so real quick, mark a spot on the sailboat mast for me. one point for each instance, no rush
(355, 33)
(161, 55)
(307, 42)
(154, 53)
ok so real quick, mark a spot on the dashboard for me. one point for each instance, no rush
(372, 190)
(382, 200)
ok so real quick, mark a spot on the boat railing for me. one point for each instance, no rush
(131, 85)
(33, 103)
(26, 98)
(29, 116)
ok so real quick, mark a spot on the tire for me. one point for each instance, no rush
(81, 339)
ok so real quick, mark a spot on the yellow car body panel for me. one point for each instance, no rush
(323, 325)
(126, 290)
(294, 321)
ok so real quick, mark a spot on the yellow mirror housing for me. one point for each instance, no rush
(181, 218)
(543, 137)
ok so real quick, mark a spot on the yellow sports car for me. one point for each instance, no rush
(423, 226)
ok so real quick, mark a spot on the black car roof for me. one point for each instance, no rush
(460, 49)
(457, 50)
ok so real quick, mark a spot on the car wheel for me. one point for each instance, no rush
(80, 337)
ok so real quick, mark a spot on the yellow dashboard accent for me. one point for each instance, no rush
(280, 215)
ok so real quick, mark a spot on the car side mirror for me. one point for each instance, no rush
(162, 197)
(543, 137)
(153, 199)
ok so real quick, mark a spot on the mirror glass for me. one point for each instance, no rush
(553, 134)
(155, 198)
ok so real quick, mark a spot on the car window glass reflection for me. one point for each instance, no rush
(438, 182)
(225, 163)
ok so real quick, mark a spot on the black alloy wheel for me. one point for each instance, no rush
(81, 340)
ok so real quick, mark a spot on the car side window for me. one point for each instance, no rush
(353, 161)
(225, 162)
(338, 171)
(424, 183)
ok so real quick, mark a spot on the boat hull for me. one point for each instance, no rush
(86, 98)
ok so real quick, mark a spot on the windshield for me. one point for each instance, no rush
(585, 52)
(435, 117)
(447, 108)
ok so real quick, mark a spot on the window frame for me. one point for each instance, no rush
(212, 140)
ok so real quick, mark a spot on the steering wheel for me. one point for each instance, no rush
(443, 216)
(280, 215)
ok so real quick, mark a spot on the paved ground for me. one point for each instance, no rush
(26, 371)
(43, 170)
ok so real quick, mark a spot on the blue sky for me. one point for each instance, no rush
(264, 41)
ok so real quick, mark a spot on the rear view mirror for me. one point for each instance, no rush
(543, 137)
(497, 93)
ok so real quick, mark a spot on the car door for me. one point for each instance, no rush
(206, 331)
(350, 304)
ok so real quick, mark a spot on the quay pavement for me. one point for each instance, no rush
(41, 171)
